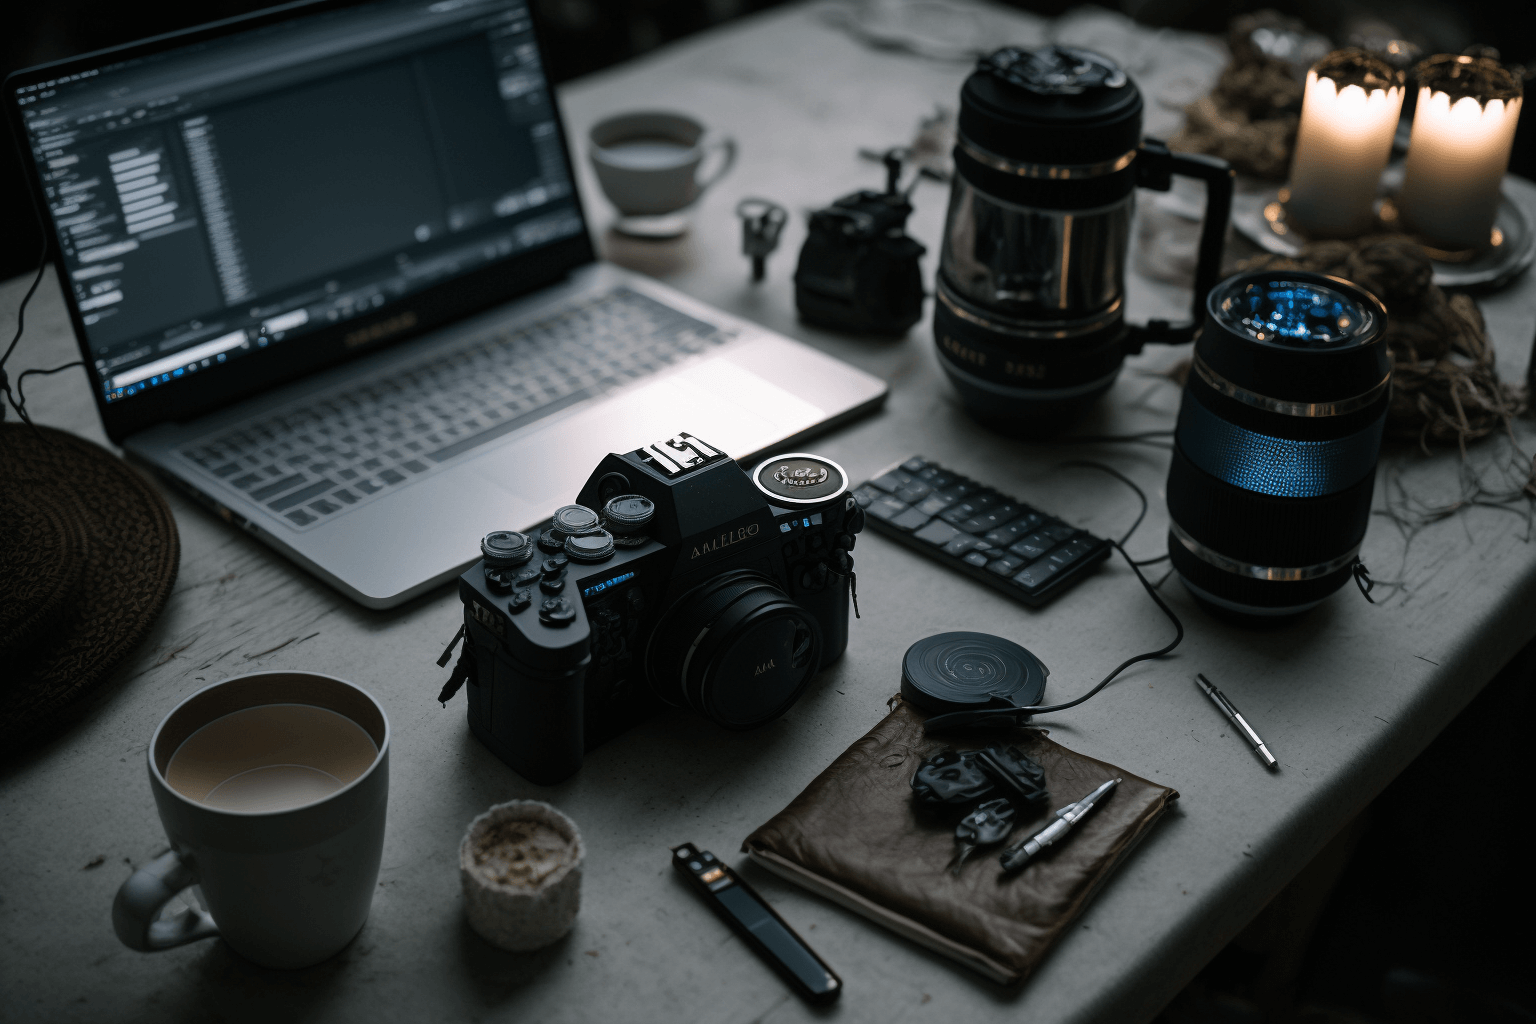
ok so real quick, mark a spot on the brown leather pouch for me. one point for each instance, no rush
(856, 836)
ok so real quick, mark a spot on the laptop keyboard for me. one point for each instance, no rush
(343, 449)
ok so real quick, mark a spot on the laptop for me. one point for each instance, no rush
(330, 275)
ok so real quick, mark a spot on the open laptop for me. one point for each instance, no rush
(329, 272)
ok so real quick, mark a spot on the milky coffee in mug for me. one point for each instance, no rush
(272, 789)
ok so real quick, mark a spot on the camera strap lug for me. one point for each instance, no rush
(448, 651)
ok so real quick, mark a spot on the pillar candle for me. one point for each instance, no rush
(1348, 116)
(1459, 149)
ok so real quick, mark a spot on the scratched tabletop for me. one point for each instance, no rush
(1345, 697)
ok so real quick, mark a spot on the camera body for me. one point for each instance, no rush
(698, 585)
(858, 269)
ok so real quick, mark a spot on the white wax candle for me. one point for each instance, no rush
(1342, 146)
(1457, 156)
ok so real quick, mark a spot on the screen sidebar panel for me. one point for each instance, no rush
(250, 196)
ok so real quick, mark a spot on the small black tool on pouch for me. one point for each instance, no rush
(995, 785)
(858, 270)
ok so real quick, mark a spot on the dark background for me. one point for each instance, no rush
(1419, 912)
(586, 35)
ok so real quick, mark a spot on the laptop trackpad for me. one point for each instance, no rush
(717, 400)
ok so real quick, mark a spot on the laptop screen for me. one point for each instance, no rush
(220, 201)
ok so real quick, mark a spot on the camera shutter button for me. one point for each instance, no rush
(553, 567)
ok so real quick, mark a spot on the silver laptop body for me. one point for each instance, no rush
(376, 470)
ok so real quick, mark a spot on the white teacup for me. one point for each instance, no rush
(648, 164)
(272, 789)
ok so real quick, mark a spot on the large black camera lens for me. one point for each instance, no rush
(737, 650)
(1269, 491)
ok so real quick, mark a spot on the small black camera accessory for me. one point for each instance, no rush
(858, 269)
(972, 672)
(699, 586)
(955, 780)
(757, 924)
(1279, 432)
(987, 825)
(761, 223)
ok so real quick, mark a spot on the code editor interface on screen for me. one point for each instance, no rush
(220, 198)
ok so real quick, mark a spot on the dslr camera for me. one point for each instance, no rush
(676, 579)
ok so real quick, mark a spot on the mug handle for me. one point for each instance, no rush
(139, 901)
(727, 147)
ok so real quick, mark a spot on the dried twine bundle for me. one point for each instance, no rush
(1249, 119)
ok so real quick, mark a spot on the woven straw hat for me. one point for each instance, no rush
(88, 556)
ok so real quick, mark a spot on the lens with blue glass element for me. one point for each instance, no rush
(1279, 432)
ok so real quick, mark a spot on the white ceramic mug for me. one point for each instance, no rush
(287, 888)
(649, 165)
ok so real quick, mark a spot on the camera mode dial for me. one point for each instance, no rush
(573, 521)
(798, 480)
(505, 548)
(590, 548)
(628, 514)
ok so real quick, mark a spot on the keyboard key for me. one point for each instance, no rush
(346, 496)
(287, 483)
(937, 533)
(300, 517)
(391, 476)
(1058, 531)
(911, 519)
(887, 508)
(1037, 574)
(991, 519)
(937, 478)
(247, 482)
(916, 464)
(961, 488)
(325, 507)
(1005, 566)
(415, 466)
(972, 506)
(1069, 552)
(961, 544)
(300, 496)
(892, 481)
(367, 486)
(1033, 546)
(1007, 534)
(227, 469)
(935, 503)
(978, 559)
(914, 492)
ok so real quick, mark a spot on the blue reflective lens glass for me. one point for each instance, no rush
(1293, 314)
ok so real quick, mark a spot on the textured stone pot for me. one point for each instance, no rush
(522, 885)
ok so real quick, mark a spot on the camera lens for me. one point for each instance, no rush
(505, 547)
(797, 480)
(737, 650)
(1279, 431)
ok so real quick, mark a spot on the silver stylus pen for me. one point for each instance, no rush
(1228, 709)
(1016, 857)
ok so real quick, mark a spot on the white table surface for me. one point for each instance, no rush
(1346, 696)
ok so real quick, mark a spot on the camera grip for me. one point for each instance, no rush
(537, 718)
(136, 909)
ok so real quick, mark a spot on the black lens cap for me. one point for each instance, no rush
(969, 672)
(505, 547)
(629, 513)
(800, 479)
(574, 520)
(590, 547)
